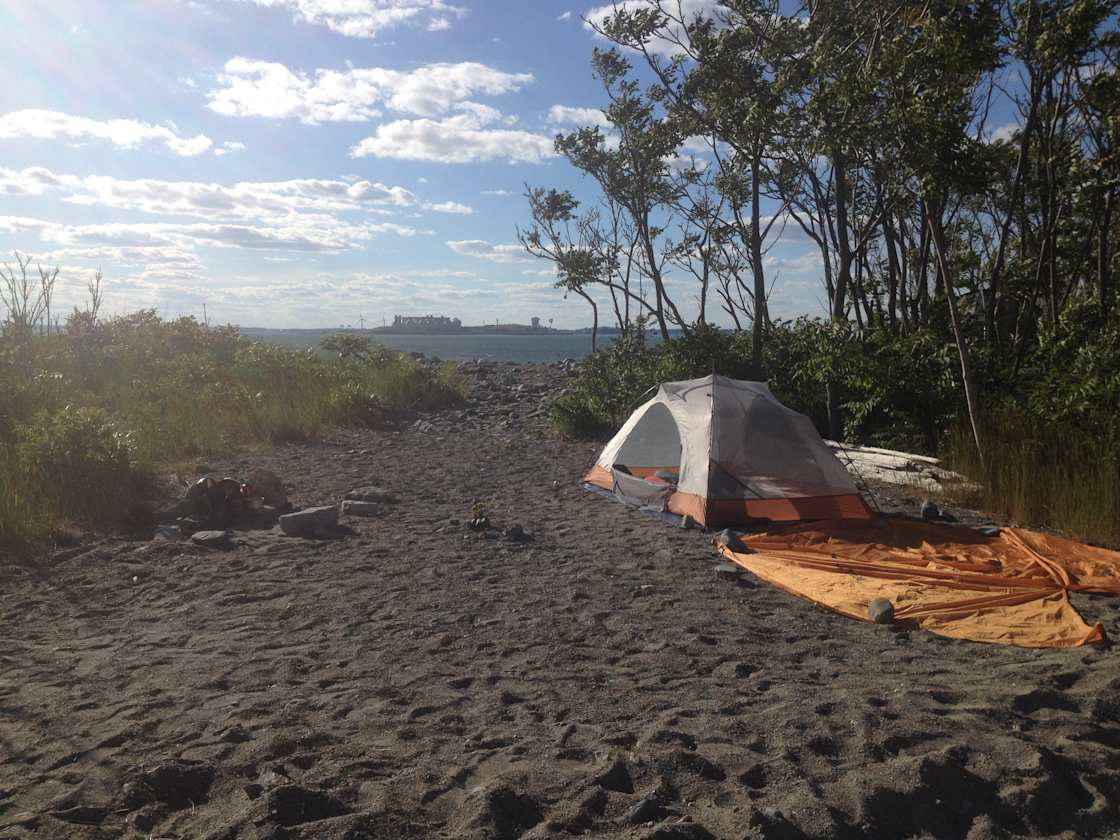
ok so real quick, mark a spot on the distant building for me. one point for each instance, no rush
(426, 323)
(536, 323)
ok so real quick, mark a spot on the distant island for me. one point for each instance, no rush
(443, 325)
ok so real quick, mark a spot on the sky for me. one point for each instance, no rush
(305, 163)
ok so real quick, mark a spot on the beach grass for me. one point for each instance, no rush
(92, 413)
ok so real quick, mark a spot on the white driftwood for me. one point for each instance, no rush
(892, 467)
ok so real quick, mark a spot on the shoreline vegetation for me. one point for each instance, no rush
(963, 224)
(93, 411)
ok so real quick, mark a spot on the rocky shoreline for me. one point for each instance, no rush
(590, 673)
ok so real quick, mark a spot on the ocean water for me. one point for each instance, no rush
(498, 348)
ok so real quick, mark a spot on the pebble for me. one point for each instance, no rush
(730, 539)
(210, 539)
(881, 611)
(371, 493)
(355, 508)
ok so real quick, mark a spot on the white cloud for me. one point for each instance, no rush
(565, 16)
(1004, 133)
(250, 88)
(273, 201)
(486, 251)
(564, 115)
(686, 9)
(807, 263)
(302, 233)
(502, 193)
(451, 207)
(126, 134)
(368, 18)
(228, 147)
(463, 138)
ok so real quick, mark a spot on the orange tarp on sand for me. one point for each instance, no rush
(1009, 589)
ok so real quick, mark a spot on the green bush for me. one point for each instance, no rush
(893, 391)
(81, 460)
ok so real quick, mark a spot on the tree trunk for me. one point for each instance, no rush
(1005, 227)
(1104, 255)
(594, 318)
(760, 314)
(844, 272)
(892, 271)
(938, 235)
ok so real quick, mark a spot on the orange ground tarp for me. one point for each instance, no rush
(1009, 589)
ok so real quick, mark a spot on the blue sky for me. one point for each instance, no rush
(302, 162)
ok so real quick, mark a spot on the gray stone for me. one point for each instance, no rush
(306, 523)
(371, 493)
(990, 530)
(687, 522)
(730, 539)
(210, 539)
(350, 507)
(727, 571)
(930, 512)
(881, 611)
(516, 533)
(646, 810)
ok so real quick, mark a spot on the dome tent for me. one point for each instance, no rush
(726, 451)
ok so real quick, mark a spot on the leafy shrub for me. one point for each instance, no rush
(83, 461)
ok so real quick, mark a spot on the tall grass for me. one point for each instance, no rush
(1064, 477)
(87, 414)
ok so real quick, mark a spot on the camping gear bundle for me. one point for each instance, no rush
(726, 452)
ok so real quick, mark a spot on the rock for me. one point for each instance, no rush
(881, 611)
(616, 777)
(687, 522)
(990, 530)
(727, 571)
(646, 810)
(371, 493)
(930, 512)
(516, 533)
(291, 805)
(253, 790)
(730, 539)
(352, 507)
(307, 523)
(211, 539)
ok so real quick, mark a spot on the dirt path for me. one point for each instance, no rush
(414, 680)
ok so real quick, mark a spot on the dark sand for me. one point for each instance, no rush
(414, 680)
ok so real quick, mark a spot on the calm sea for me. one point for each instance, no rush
(498, 348)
